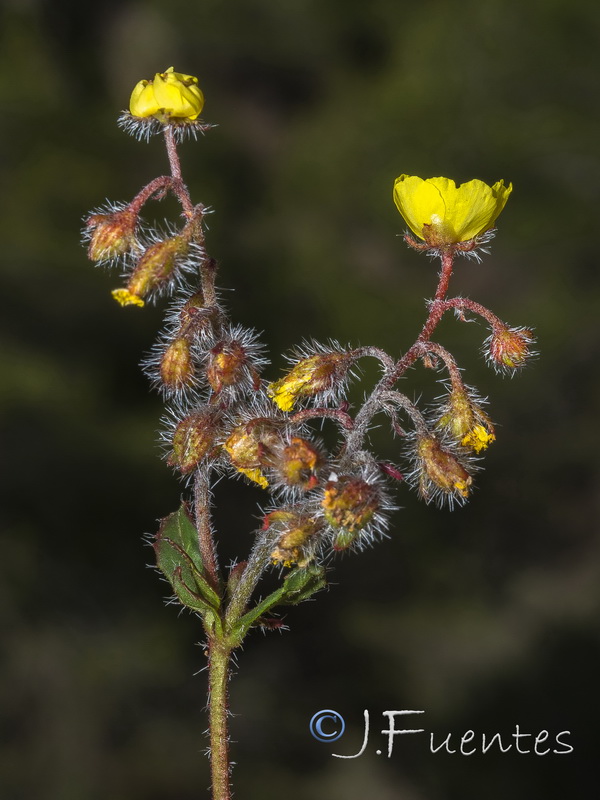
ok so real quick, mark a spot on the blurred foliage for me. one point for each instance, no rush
(485, 617)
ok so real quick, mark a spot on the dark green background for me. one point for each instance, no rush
(485, 617)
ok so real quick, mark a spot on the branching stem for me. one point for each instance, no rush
(373, 404)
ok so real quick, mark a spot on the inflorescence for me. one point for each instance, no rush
(222, 415)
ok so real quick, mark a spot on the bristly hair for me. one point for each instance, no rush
(365, 468)
(145, 127)
(419, 479)
(87, 232)
(347, 371)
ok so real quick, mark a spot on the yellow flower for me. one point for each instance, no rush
(285, 392)
(256, 476)
(478, 438)
(126, 298)
(170, 95)
(442, 213)
(465, 421)
(317, 373)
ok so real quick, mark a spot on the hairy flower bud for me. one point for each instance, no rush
(177, 365)
(157, 264)
(440, 473)
(295, 545)
(298, 463)
(194, 439)
(192, 316)
(315, 374)
(349, 503)
(153, 271)
(251, 445)
(508, 349)
(227, 363)
(465, 421)
(111, 234)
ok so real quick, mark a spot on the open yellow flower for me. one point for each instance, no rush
(442, 213)
(171, 95)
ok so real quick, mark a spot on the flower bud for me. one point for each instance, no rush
(250, 446)
(170, 95)
(507, 349)
(156, 265)
(349, 503)
(465, 422)
(226, 365)
(111, 235)
(190, 317)
(317, 373)
(440, 472)
(193, 440)
(299, 531)
(176, 365)
(297, 464)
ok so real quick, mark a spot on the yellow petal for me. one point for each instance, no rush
(472, 208)
(126, 298)
(178, 94)
(143, 102)
(256, 476)
(418, 201)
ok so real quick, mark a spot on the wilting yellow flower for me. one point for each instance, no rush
(442, 213)
(286, 391)
(170, 95)
(478, 438)
(126, 298)
(466, 422)
(256, 476)
(311, 375)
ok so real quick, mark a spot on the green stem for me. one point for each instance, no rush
(218, 710)
(257, 563)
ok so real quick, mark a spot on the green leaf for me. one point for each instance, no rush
(302, 583)
(180, 528)
(178, 557)
(299, 585)
(244, 623)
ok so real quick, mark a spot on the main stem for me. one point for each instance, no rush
(219, 651)
(218, 710)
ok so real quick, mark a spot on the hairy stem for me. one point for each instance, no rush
(254, 569)
(373, 404)
(464, 304)
(179, 186)
(449, 362)
(218, 710)
(204, 527)
(158, 185)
